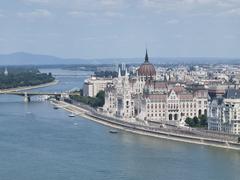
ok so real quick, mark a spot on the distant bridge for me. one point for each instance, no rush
(27, 95)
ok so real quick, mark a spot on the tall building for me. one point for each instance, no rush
(224, 113)
(142, 97)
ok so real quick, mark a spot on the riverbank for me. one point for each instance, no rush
(24, 88)
(147, 131)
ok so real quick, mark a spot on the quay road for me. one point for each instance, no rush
(194, 136)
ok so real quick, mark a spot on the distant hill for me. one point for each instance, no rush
(22, 58)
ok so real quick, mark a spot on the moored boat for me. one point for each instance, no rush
(113, 131)
(71, 115)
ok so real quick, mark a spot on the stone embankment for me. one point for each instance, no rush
(191, 136)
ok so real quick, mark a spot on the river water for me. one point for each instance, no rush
(40, 143)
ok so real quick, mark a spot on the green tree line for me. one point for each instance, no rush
(200, 121)
(24, 78)
(97, 101)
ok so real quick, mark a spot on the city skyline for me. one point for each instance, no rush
(121, 28)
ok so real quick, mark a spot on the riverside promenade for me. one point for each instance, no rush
(188, 136)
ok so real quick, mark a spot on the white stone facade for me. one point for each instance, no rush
(144, 98)
(172, 104)
(93, 85)
(225, 115)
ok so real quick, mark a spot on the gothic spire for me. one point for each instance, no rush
(126, 72)
(119, 72)
(146, 56)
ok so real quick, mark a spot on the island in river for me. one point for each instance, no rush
(16, 76)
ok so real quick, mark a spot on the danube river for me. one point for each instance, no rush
(40, 143)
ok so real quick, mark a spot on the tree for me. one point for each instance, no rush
(81, 92)
(189, 121)
(97, 101)
(22, 76)
(203, 120)
(100, 98)
(195, 121)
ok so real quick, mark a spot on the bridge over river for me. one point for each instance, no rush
(27, 95)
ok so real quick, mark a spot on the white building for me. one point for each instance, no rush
(142, 97)
(172, 103)
(224, 114)
(94, 84)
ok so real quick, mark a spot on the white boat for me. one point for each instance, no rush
(71, 115)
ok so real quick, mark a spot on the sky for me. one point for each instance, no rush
(121, 28)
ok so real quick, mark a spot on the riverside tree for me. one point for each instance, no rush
(200, 121)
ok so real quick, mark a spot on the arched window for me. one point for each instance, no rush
(199, 112)
(205, 112)
(170, 117)
(175, 117)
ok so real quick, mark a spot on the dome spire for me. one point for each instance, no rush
(146, 56)
(147, 69)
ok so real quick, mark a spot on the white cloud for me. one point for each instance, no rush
(37, 1)
(173, 21)
(113, 14)
(229, 37)
(82, 14)
(2, 14)
(110, 2)
(232, 12)
(113, 3)
(2, 39)
(178, 36)
(192, 6)
(117, 8)
(38, 13)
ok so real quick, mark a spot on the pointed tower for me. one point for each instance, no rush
(126, 72)
(146, 57)
(119, 72)
(147, 69)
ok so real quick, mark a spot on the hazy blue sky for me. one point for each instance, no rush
(121, 28)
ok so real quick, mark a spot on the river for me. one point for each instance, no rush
(40, 143)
